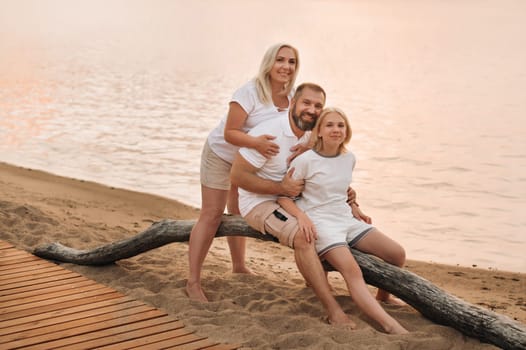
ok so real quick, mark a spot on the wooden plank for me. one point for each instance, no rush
(66, 315)
(6, 262)
(44, 306)
(60, 306)
(5, 245)
(34, 271)
(171, 344)
(27, 266)
(129, 340)
(73, 321)
(52, 296)
(123, 328)
(56, 301)
(187, 342)
(43, 286)
(9, 253)
(36, 281)
(46, 291)
(7, 256)
(223, 347)
(6, 269)
(31, 277)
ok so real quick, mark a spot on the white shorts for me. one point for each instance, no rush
(344, 231)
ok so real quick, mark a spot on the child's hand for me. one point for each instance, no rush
(307, 228)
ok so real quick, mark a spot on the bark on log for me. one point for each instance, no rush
(433, 302)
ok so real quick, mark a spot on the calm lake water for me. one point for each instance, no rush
(125, 92)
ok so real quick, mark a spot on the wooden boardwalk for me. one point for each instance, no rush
(44, 306)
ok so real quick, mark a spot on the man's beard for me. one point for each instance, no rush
(302, 124)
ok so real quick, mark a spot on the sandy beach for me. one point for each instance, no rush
(270, 310)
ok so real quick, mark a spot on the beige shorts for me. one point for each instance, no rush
(215, 172)
(269, 217)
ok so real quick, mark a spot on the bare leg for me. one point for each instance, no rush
(327, 277)
(310, 267)
(380, 245)
(201, 237)
(342, 259)
(237, 244)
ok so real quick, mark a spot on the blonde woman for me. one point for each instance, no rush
(325, 217)
(265, 97)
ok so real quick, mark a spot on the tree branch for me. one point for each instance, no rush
(431, 301)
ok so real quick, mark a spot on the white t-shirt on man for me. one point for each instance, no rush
(274, 168)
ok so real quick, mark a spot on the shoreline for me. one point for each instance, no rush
(271, 309)
(192, 210)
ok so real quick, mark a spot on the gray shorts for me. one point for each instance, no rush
(215, 172)
(269, 217)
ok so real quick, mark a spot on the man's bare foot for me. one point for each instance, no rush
(242, 269)
(195, 292)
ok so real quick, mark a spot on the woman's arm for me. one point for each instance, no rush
(235, 135)
(305, 224)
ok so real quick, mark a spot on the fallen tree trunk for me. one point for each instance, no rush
(428, 299)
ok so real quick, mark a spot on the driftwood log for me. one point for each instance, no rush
(432, 302)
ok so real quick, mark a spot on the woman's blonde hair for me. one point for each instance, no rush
(316, 141)
(263, 78)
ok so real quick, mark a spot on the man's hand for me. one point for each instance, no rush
(358, 214)
(351, 196)
(356, 211)
(291, 187)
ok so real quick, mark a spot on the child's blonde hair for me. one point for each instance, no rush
(316, 140)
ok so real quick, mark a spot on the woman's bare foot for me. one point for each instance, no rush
(195, 292)
(242, 269)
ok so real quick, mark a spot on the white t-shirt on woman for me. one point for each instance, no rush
(247, 97)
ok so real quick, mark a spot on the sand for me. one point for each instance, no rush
(270, 310)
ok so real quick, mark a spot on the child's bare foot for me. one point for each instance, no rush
(388, 298)
(392, 300)
(195, 292)
(341, 320)
(396, 328)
